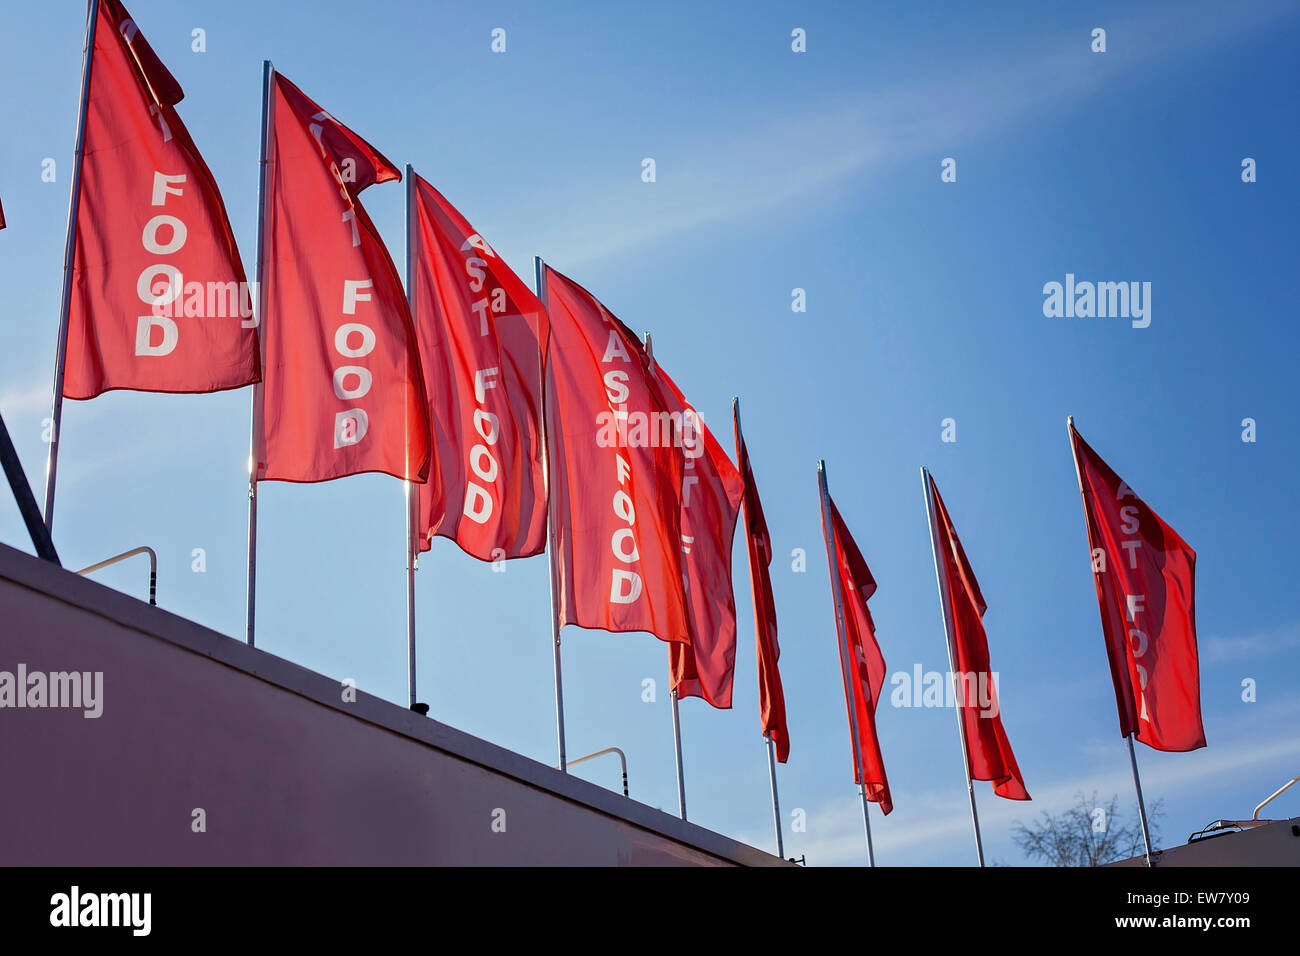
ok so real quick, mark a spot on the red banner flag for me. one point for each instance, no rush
(975, 688)
(481, 332)
(343, 390)
(710, 503)
(2, 216)
(758, 541)
(615, 481)
(1146, 589)
(159, 298)
(867, 667)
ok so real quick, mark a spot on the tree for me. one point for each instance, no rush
(1086, 834)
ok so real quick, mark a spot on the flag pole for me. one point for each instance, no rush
(412, 562)
(1132, 756)
(776, 804)
(941, 578)
(677, 718)
(540, 281)
(69, 254)
(412, 497)
(255, 414)
(771, 749)
(677, 750)
(27, 507)
(1142, 809)
(850, 696)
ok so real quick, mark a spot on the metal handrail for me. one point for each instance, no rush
(622, 758)
(153, 567)
(1276, 793)
(1254, 821)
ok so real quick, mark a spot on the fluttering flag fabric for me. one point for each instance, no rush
(710, 504)
(1146, 590)
(2, 216)
(758, 541)
(159, 298)
(343, 389)
(990, 754)
(615, 482)
(481, 332)
(867, 666)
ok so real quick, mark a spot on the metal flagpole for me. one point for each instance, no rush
(31, 512)
(255, 415)
(69, 251)
(776, 806)
(412, 496)
(677, 749)
(941, 577)
(677, 718)
(833, 562)
(412, 562)
(771, 750)
(676, 713)
(1142, 809)
(1132, 757)
(550, 529)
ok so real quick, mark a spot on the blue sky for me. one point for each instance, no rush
(775, 171)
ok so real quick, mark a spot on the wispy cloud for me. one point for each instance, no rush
(1260, 644)
(25, 407)
(25, 401)
(920, 822)
(1096, 749)
(802, 155)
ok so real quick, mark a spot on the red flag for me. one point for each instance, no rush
(480, 331)
(2, 216)
(615, 483)
(1146, 590)
(990, 754)
(867, 667)
(343, 390)
(159, 299)
(771, 697)
(710, 503)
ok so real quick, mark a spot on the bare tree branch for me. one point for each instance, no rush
(1089, 833)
